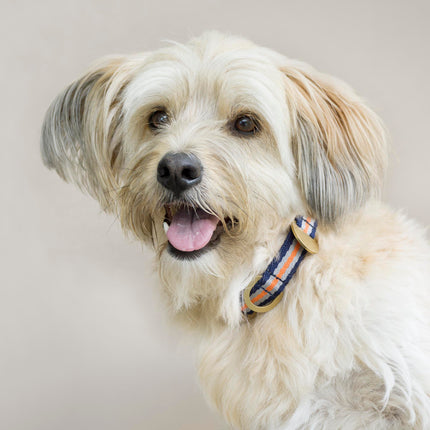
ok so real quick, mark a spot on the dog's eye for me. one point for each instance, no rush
(245, 125)
(158, 119)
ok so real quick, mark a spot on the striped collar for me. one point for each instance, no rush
(264, 293)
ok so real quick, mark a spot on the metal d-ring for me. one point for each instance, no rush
(256, 308)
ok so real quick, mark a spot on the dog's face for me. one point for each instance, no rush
(209, 149)
(204, 151)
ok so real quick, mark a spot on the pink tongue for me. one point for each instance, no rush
(191, 229)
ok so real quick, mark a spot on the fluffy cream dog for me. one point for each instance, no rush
(208, 151)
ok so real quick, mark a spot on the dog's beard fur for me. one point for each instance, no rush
(318, 150)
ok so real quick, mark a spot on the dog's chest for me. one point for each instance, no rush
(256, 380)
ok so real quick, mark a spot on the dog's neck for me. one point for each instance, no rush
(266, 292)
(209, 292)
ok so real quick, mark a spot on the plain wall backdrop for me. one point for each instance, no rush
(84, 340)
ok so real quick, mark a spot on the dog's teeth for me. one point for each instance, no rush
(165, 226)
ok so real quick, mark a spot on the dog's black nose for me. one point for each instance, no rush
(179, 171)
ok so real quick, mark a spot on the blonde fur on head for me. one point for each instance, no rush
(237, 140)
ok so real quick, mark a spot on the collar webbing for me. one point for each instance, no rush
(266, 293)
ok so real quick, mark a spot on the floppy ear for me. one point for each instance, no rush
(339, 144)
(82, 131)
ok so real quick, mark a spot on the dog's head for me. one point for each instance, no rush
(207, 149)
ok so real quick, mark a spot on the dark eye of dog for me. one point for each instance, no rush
(158, 119)
(245, 125)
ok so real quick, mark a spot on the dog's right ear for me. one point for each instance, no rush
(82, 132)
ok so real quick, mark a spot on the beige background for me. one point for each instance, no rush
(84, 342)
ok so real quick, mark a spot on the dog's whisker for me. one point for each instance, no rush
(262, 199)
(115, 220)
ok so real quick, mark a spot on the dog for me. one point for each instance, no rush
(256, 180)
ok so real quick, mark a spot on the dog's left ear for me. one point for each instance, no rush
(82, 132)
(338, 143)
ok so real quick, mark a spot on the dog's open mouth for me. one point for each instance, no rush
(191, 230)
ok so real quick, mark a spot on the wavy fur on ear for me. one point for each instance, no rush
(82, 133)
(338, 143)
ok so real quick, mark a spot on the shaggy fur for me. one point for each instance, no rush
(348, 347)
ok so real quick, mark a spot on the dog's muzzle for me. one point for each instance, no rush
(190, 230)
